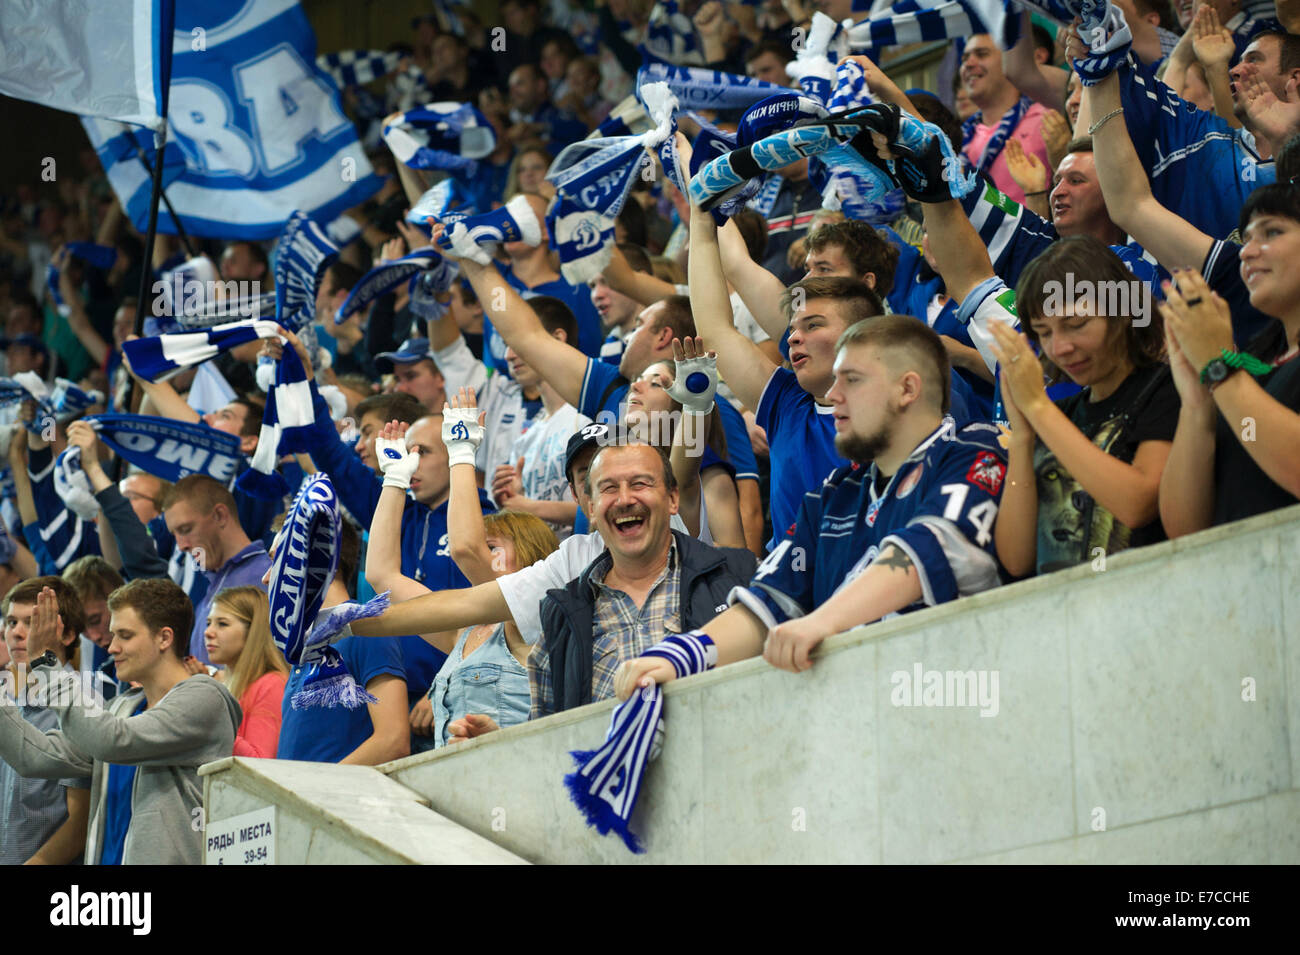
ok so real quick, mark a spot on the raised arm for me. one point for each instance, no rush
(163, 397)
(78, 320)
(641, 287)
(444, 610)
(759, 289)
(1214, 49)
(465, 530)
(1174, 242)
(562, 365)
(741, 363)
(1040, 82)
(962, 258)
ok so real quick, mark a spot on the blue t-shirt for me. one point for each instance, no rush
(117, 808)
(591, 332)
(801, 434)
(326, 734)
(604, 389)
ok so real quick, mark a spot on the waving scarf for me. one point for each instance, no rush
(670, 36)
(450, 136)
(286, 428)
(169, 449)
(697, 88)
(306, 559)
(476, 237)
(302, 255)
(72, 485)
(161, 356)
(448, 202)
(1109, 40)
(388, 275)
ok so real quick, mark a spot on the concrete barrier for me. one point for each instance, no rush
(1144, 712)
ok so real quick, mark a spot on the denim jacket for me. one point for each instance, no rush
(491, 681)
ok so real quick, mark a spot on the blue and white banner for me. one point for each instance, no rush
(302, 255)
(102, 59)
(257, 127)
(697, 88)
(169, 449)
(161, 356)
(386, 276)
(447, 136)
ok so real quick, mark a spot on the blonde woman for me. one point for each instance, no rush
(238, 636)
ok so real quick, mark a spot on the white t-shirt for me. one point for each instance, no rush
(499, 397)
(542, 446)
(524, 590)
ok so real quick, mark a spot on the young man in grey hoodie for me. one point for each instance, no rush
(144, 751)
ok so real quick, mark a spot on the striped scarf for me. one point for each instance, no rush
(998, 141)
(302, 569)
(169, 449)
(286, 429)
(447, 136)
(358, 67)
(160, 356)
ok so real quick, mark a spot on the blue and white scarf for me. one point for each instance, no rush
(181, 300)
(924, 21)
(476, 237)
(697, 88)
(998, 141)
(358, 67)
(592, 179)
(286, 429)
(386, 276)
(169, 449)
(1109, 40)
(161, 356)
(306, 559)
(72, 485)
(449, 136)
(68, 400)
(302, 255)
(608, 780)
(814, 65)
(28, 386)
(670, 36)
(448, 202)
(100, 256)
(849, 183)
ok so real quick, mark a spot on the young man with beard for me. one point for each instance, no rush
(909, 524)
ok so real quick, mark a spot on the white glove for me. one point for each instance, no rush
(461, 433)
(463, 246)
(396, 462)
(694, 383)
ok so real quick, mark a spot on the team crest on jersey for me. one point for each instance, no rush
(872, 510)
(909, 483)
(987, 472)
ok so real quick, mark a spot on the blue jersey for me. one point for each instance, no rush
(801, 434)
(939, 508)
(1200, 167)
(604, 390)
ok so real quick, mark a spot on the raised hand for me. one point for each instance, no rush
(395, 461)
(462, 428)
(1026, 169)
(1211, 42)
(696, 379)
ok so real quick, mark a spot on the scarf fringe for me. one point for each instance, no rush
(331, 623)
(339, 690)
(598, 813)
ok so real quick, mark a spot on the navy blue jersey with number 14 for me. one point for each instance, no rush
(939, 509)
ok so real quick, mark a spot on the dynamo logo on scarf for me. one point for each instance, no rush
(448, 136)
(302, 255)
(592, 179)
(169, 449)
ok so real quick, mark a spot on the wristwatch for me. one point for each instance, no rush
(1216, 372)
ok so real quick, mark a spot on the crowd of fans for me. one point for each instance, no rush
(906, 412)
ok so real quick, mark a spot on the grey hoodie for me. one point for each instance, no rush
(193, 724)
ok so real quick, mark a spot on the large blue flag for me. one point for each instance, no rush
(255, 129)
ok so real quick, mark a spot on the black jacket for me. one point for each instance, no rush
(707, 576)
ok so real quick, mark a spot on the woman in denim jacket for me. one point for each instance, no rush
(485, 670)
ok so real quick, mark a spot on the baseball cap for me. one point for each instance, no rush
(411, 350)
(592, 435)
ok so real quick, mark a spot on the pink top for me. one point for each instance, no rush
(259, 733)
(1030, 134)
